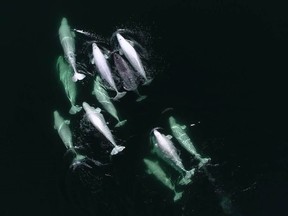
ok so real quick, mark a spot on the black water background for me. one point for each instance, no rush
(225, 67)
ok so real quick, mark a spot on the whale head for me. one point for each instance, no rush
(116, 57)
(58, 119)
(64, 21)
(119, 37)
(172, 121)
(94, 46)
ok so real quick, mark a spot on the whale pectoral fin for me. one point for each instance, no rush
(120, 52)
(148, 172)
(75, 109)
(97, 110)
(169, 136)
(92, 61)
(131, 42)
(183, 127)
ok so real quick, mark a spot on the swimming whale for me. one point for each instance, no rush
(102, 96)
(104, 70)
(67, 41)
(179, 133)
(130, 53)
(97, 119)
(165, 149)
(65, 73)
(128, 77)
(155, 169)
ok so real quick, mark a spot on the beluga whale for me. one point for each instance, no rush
(104, 70)
(179, 133)
(128, 76)
(155, 169)
(102, 96)
(64, 131)
(97, 119)
(65, 73)
(66, 36)
(132, 56)
(62, 127)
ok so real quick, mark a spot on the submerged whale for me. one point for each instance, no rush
(155, 169)
(102, 96)
(179, 133)
(65, 73)
(128, 77)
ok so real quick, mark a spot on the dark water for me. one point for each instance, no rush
(222, 64)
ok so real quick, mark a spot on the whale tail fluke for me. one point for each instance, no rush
(74, 109)
(78, 76)
(187, 178)
(141, 97)
(190, 173)
(117, 149)
(203, 162)
(147, 82)
(177, 196)
(121, 123)
(119, 95)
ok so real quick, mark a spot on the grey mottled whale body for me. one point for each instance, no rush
(128, 77)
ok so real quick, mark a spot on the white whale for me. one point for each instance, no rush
(104, 70)
(67, 41)
(155, 169)
(65, 73)
(132, 56)
(97, 119)
(164, 147)
(102, 96)
(179, 133)
(62, 127)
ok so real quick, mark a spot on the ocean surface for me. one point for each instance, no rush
(219, 67)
